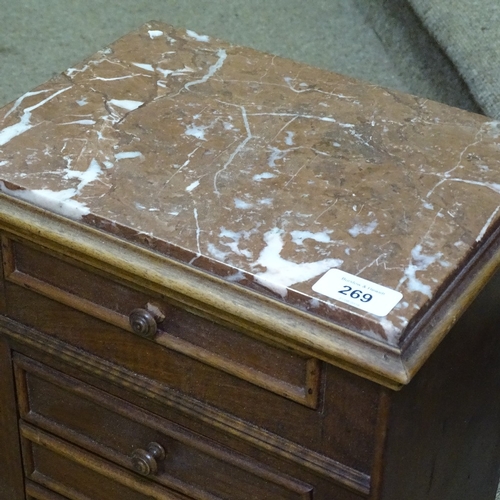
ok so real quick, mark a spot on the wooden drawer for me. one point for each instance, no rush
(233, 383)
(100, 295)
(36, 492)
(65, 419)
(77, 474)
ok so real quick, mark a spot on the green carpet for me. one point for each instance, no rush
(469, 32)
(40, 39)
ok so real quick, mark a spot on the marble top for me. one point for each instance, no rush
(263, 171)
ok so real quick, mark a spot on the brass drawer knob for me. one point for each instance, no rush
(143, 323)
(145, 462)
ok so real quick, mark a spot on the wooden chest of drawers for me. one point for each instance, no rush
(228, 276)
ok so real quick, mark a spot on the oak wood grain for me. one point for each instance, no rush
(36, 492)
(11, 478)
(61, 279)
(193, 465)
(70, 471)
(443, 432)
(263, 442)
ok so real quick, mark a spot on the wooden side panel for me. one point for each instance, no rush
(444, 427)
(11, 479)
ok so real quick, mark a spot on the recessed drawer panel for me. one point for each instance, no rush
(121, 433)
(79, 475)
(106, 298)
(36, 492)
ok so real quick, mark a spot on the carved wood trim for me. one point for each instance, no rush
(434, 325)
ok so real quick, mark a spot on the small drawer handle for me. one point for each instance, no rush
(145, 461)
(143, 323)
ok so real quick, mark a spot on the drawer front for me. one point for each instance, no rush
(333, 434)
(193, 388)
(100, 425)
(88, 290)
(78, 475)
(36, 492)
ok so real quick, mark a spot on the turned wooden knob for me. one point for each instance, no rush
(143, 323)
(145, 462)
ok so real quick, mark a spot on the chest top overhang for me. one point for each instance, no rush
(261, 171)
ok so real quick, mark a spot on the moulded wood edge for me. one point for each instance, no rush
(454, 301)
(231, 303)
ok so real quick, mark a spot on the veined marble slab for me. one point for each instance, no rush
(263, 171)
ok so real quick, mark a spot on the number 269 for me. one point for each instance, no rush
(356, 294)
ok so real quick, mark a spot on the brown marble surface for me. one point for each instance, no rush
(260, 170)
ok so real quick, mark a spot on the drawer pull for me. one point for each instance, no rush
(143, 323)
(144, 462)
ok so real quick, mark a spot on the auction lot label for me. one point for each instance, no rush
(358, 292)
